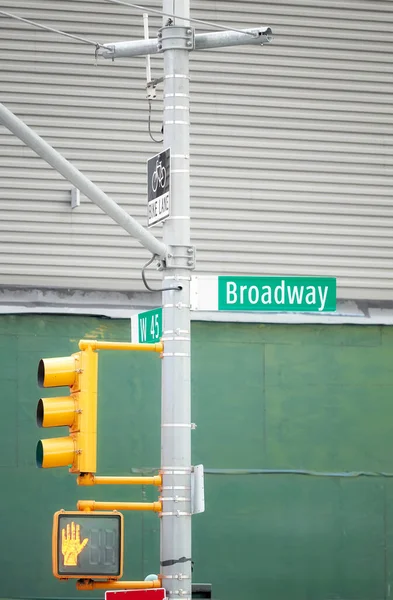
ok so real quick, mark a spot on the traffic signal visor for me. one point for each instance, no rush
(78, 412)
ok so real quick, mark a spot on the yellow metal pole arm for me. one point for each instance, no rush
(89, 584)
(95, 345)
(87, 479)
(93, 505)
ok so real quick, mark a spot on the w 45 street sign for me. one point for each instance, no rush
(146, 328)
(238, 293)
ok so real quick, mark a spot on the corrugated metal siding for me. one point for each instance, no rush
(291, 144)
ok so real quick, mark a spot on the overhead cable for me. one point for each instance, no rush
(52, 29)
(172, 16)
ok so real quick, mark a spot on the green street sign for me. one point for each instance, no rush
(148, 327)
(279, 294)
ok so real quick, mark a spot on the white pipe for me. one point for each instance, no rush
(146, 34)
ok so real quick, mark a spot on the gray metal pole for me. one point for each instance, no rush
(80, 181)
(175, 551)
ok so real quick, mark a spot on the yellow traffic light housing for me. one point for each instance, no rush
(78, 412)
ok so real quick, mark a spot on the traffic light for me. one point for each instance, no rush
(77, 411)
(87, 545)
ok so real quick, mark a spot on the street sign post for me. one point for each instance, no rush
(264, 294)
(146, 327)
(158, 188)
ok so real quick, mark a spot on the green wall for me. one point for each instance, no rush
(269, 401)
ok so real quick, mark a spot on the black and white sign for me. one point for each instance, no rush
(158, 188)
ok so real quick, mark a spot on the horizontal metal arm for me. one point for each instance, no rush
(102, 345)
(88, 479)
(221, 39)
(91, 505)
(203, 41)
(90, 584)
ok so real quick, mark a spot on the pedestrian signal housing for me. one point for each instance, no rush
(87, 545)
(77, 411)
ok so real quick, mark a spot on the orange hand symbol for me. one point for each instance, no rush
(71, 545)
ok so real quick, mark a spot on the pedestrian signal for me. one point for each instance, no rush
(87, 545)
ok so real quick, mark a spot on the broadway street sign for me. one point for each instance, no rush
(278, 294)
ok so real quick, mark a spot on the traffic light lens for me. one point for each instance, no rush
(39, 455)
(41, 373)
(40, 413)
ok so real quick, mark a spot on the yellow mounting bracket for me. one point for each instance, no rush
(88, 479)
(90, 505)
(95, 345)
(89, 584)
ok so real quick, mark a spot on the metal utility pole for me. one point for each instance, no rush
(176, 41)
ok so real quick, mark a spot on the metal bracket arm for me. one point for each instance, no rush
(80, 181)
(91, 505)
(101, 345)
(89, 479)
(90, 584)
(202, 41)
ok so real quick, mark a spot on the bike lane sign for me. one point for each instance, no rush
(158, 187)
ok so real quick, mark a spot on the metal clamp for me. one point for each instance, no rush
(180, 257)
(176, 470)
(173, 499)
(175, 487)
(178, 576)
(176, 513)
(175, 37)
(191, 425)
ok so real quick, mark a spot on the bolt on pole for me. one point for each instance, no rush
(176, 40)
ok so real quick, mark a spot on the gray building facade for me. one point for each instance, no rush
(291, 145)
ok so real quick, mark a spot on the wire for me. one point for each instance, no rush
(34, 24)
(344, 474)
(192, 20)
(164, 289)
(149, 126)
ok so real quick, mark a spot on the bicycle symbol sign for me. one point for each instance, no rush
(159, 176)
(158, 189)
